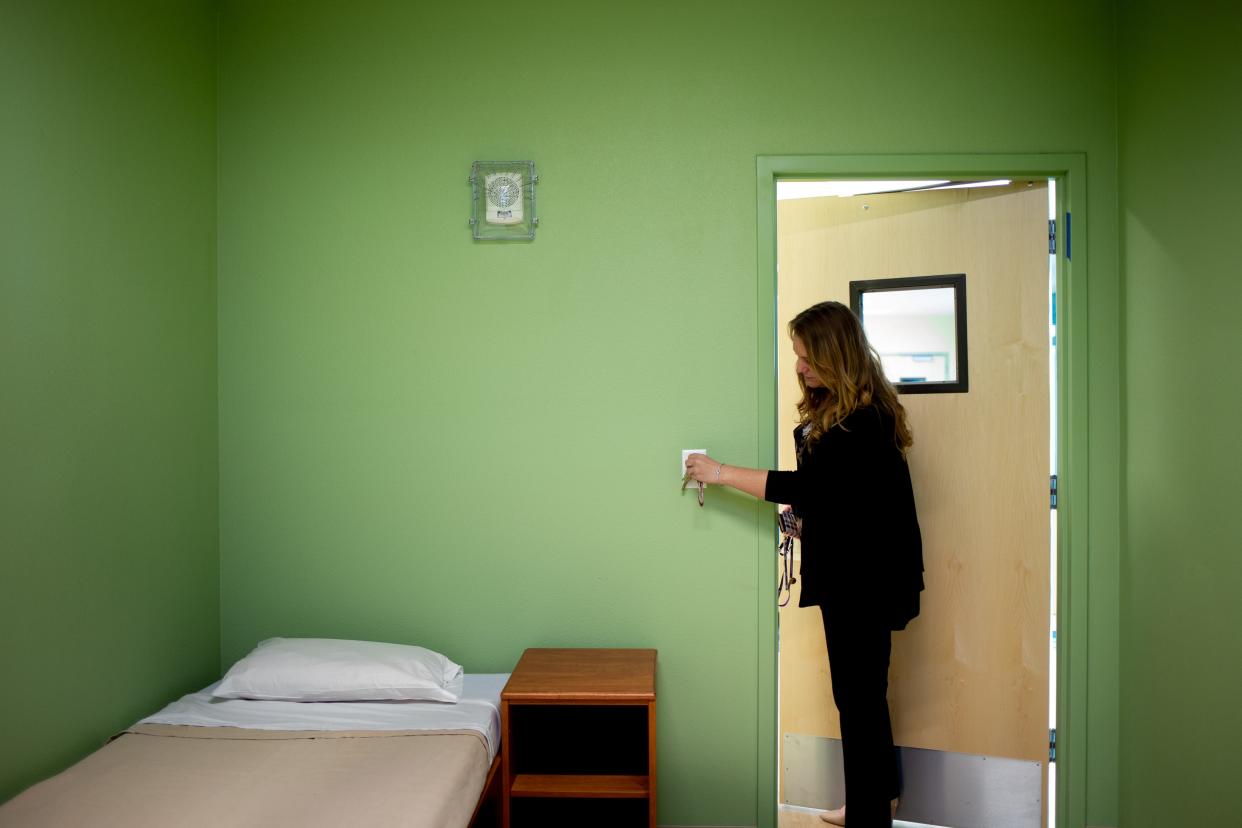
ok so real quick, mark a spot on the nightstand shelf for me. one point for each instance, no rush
(584, 786)
(578, 739)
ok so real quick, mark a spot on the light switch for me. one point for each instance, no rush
(686, 453)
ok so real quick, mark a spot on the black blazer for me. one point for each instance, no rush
(861, 546)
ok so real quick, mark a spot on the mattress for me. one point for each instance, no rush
(208, 762)
(478, 709)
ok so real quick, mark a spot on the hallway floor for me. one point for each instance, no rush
(789, 816)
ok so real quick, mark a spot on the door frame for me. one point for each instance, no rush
(1069, 171)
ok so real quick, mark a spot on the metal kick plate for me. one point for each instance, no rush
(939, 788)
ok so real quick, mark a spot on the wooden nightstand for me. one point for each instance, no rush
(579, 739)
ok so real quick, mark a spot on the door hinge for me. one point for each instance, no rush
(1052, 491)
(1052, 237)
(1052, 745)
(1069, 237)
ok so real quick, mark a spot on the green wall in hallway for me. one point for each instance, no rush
(473, 446)
(109, 596)
(1182, 569)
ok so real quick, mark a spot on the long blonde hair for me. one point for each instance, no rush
(839, 353)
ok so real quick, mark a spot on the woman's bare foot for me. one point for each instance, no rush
(837, 817)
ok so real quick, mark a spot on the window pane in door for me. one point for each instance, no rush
(914, 331)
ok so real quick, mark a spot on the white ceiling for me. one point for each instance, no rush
(787, 190)
(920, 302)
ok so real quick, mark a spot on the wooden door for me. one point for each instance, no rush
(970, 675)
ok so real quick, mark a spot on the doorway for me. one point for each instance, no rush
(941, 673)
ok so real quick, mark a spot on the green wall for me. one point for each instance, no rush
(109, 598)
(1182, 574)
(473, 446)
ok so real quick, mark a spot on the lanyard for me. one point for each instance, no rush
(785, 548)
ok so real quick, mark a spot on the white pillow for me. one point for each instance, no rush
(327, 669)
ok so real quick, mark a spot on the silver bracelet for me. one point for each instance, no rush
(719, 466)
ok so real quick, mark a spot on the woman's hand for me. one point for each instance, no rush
(703, 469)
(790, 523)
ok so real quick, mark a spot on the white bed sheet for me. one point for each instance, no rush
(478, 709)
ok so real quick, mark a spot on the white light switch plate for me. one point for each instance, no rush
(686, 453)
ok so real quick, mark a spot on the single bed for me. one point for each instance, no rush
(205, 761)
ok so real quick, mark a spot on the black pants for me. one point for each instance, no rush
(858, 654)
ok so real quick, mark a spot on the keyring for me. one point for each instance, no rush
(685, 481)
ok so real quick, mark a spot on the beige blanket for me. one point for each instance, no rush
(159, 776)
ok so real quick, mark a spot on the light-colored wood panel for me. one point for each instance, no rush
(970, 675)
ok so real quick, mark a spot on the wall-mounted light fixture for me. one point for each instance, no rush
(503, 200)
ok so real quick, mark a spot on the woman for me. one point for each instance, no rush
(862, 553)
